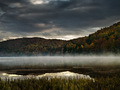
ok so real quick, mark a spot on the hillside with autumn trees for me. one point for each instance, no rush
(104, 40)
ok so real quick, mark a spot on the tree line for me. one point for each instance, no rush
(105, 40)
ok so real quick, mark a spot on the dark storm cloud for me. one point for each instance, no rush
(68, 15)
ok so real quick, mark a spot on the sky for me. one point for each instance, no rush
(56, 19)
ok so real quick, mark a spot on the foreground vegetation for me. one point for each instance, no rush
(106, 78)
(61, 84)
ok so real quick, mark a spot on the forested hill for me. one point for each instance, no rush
(31, 46)
(102, 41)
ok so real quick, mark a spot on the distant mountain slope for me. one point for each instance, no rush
(104, 40)
(31, 46)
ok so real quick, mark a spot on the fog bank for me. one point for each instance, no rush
(59, 60)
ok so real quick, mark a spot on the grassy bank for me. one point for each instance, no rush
(107, 83)
(106, 78)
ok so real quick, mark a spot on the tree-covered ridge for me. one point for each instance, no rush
(32, 46)
(104, 40)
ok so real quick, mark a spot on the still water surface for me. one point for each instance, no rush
(55, 61)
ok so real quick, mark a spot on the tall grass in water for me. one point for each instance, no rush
(108, 83)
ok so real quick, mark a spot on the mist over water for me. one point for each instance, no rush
(49, 61)
(60, 60)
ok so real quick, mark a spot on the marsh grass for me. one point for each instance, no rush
(106, 78)
(61, 84)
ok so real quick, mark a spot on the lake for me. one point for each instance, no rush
(56, 66)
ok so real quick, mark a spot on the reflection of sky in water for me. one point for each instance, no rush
(62, 75)
(59, 60)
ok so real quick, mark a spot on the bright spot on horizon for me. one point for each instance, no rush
(39, 1)
(69, 37)
(46, 1)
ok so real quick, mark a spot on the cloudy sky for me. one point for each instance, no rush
(59, 19)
